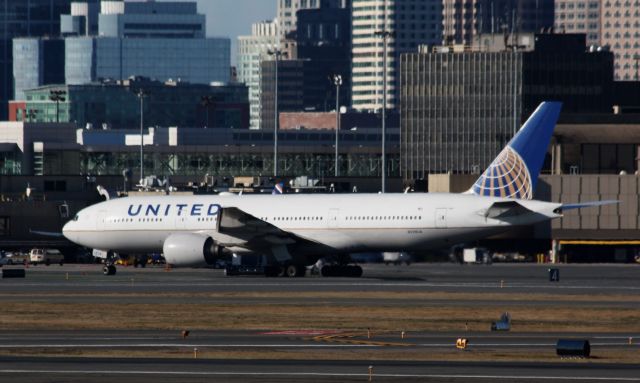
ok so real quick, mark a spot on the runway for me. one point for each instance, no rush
(168, 370)
(129, 326)
(444, 277)
(300, 340)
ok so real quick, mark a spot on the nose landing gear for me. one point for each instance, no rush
(109, 269)
(109, 264)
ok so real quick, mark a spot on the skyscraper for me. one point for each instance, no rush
(287, 11)
(579, 17)
(251, 51)
(466, 19)
(36, 62)
(621, 32)
(612, 24)
(160, 40)
(24, 18)
(408, 24)
(460, 108)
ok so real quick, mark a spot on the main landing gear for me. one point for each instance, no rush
(341, 268)
(352, 271)
(288, 270)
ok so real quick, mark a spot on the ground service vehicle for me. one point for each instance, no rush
(45, 256)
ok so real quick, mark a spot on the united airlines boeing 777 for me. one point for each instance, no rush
(296, 230)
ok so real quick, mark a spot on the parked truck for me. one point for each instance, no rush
(476, 255)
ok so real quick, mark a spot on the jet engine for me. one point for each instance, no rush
(191, 250)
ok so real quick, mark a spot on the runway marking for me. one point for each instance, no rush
(349, 338)
(318, 374)
(153, 345)
(496, 285)
(333, 343)
(300, 332)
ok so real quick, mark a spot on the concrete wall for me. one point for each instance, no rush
(451, 183)
(617, 221)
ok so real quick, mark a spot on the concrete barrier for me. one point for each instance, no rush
(13, 273)
(573, 348)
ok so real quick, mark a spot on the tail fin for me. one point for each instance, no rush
(278, 188)
(514, 173)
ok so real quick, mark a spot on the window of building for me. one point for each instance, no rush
(55, 186)
(5, 226)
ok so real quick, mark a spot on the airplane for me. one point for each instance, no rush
(294, 231)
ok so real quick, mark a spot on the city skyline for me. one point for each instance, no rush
(223, 18)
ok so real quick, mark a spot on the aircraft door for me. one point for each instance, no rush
(441, 218)
(333, 217)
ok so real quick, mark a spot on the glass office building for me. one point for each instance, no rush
(158, 40)
(36, 62)
(198, 61)
(117, 105)
(24, 18)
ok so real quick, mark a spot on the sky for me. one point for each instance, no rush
(233, 18)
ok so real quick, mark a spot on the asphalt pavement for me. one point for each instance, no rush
(81, 283)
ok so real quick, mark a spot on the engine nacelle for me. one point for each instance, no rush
(191, 250)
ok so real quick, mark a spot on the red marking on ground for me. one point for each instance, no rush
(300, 332)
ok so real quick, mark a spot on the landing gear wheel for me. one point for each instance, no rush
(291, 271)
(288, 270)
(109, 270)
(295, 271)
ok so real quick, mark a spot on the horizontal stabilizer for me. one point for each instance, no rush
(571, 206)
(506, 209)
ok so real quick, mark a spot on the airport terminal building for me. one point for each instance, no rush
(63, 149)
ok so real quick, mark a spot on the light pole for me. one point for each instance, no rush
(276, 53)
(141, 93)
(57, 96)
(385, 34)
(337, 80)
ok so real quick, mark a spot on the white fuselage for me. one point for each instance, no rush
(341, 222)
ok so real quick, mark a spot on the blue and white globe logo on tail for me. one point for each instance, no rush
(507, 176)
(514, 173)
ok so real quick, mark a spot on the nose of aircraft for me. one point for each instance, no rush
(66, 229)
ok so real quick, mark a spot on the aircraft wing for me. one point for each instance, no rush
(46, 233)
(254, 233)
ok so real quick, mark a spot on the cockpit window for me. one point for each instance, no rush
(76, 217)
